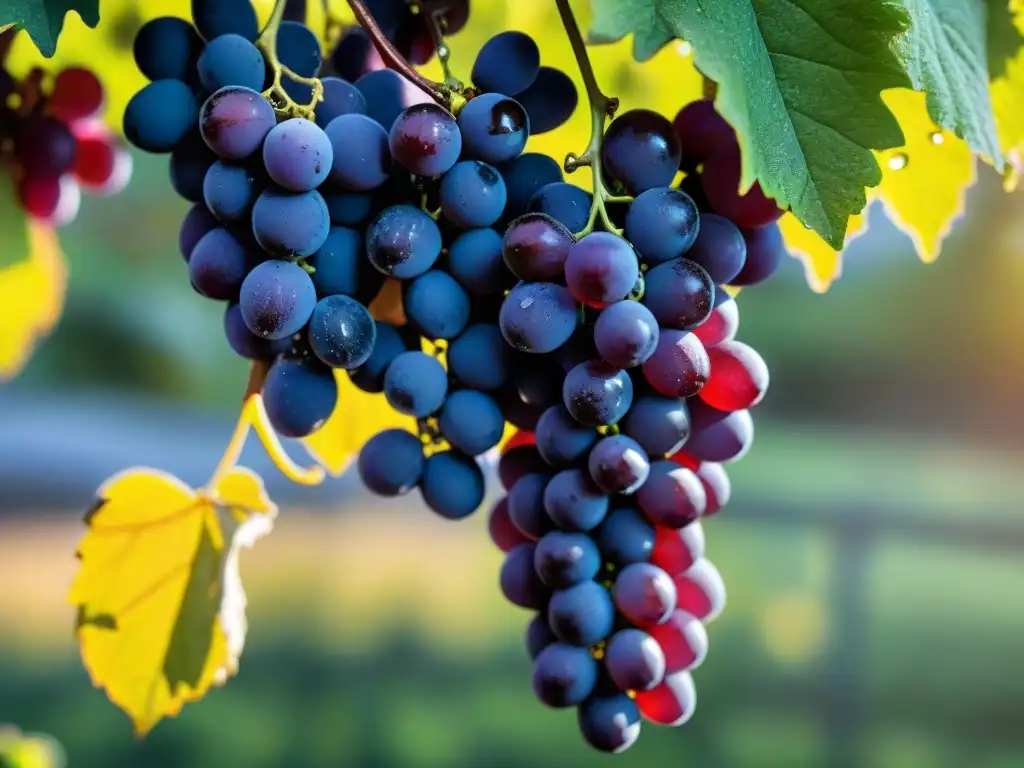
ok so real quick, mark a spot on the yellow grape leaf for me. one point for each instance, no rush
(822, 263)
(925, 182)
(29, 750)
(31, 297)
(357, 417)
(161, 609)
(1008, 107)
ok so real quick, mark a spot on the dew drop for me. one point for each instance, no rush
(525, 303)
(684, 48)
(937, 137)
(898, 161)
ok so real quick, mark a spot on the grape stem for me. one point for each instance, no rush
(276, 94)
(434, 19)
(601, 108)
(254, 418)
(439, 92)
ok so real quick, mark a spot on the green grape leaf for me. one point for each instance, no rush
(945, 52)
(1004, 38)
(800, 80)
(44, 19)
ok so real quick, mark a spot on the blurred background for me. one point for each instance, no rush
(873, 550)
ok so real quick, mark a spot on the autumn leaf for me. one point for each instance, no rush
(823, 264)
(31, 297)
(161, 609)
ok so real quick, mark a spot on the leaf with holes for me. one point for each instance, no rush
(800, 81)
(44, 19)
(161, 610)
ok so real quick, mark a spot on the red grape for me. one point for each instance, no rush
(672, 496)
(675, 551)
(721, 180)
(39, 195)
(504, 533)
(718, 435)
(702, 132)
(739, 377)
(671, 703)
(722, 323)
(95, 161)
(701, 591)
(683, 640)
(679, 366)
(716, 485)
(77, 94)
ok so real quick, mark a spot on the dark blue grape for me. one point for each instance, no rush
(166, 48)
(626, 334)
(517, 413)
(641, 151)
(597, 394)
(214, 18)
(362, 159)
(673, 496)
(471, 421)
(581, 615)
(452, 485)
(536, 246)
(679, 293)
(519, 581)
(508, 63)
(425, 139)
(578, 349)
(277, 298)
(719, 248)
(660, 424)
(634, 660)
(190, 161)
(479, 358)
(472, 194)
(662, 224)
(565, 203)
(563, 559)
(348, 209)
(610, 723)
(340, 266)
(290, 223)
(299, 396)
(387, 95)
(562, 440)
(625, 537)
(369, 377)
(352, 56)
(526, 505)
(475, 260)
(218, 264)
(644, 594)
(764, 254)
(538, 380)
(573, 502)
(391, 463)
(436, 305)
(618, 464)
(340, 98)
(403, 242)
(538, 635)
(601, 269)
(494, 128)
(563, 676)
(299, 50)
(245, 343)
(161, 115)
(717, 435)
(196, 224)
(234, 122)
(231, 60)
(230, 191)
(524, 176)
(415, 384)
(680, 365)
(550, 100)
(538, 317)
(298, 155)
(341, 332)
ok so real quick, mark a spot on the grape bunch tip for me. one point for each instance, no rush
(613, 354)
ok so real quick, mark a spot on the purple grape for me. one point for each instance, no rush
(403, 242)
(426, 139)
(679, 366)
(601, 269)
(662, 224)
(673, 496)
(277, 299)
(538, 635)
(536, 247)
(538, 317)
(634, 660)
(298, 155)
(660, 424)
(618, 464)
(764, 254)
(230, 191)
(45, 147)
(472, 194)
(566, 203)
(494, 128)
(563, 559)
(610, 723)
(625, 537)
(626, 334)
(562, 440)
(641, 151)
(717, 435)
(519, 580)
(218, 264)
(362, 158)
(574, 502)
(644, 594)
(197, 222)
(234, 121)
(245, 343)
(526, 504)
(679, 293)
(563, 675)
(597, 394)
(290, 223)
(340, 98)
(581, 615)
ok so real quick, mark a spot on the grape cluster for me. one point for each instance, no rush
(55, 144)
